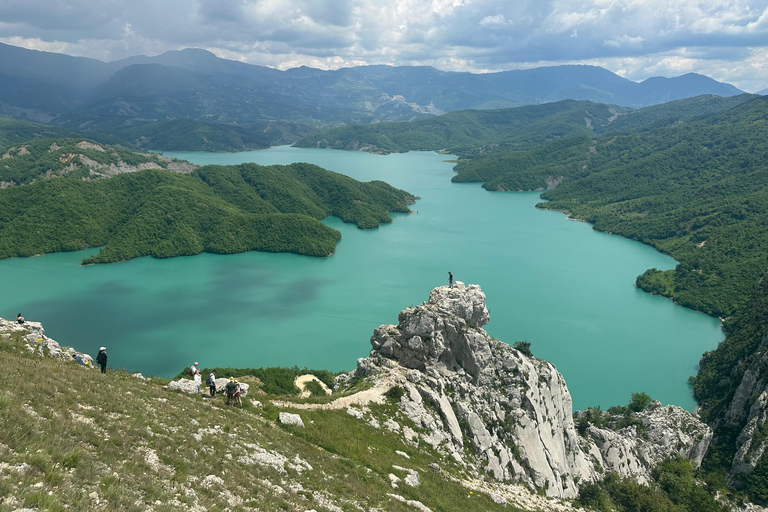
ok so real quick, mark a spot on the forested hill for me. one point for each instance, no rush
(472, 133)
(159, 213)
(469, 132)
(697, 191)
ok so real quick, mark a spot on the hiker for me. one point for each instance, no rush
(231, 388)
(19, 318)
(101, 359)
(198, 380)
(211, 381)
(78, 358)
(193, 369)
(238, 402)
(450, 280)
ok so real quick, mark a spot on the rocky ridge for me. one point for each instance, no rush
(749, 407)
(38, 342)
(488, 405)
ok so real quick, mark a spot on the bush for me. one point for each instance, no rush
(524, 347)
(395, 393)
(639, 402)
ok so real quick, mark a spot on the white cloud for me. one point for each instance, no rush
(636, 37)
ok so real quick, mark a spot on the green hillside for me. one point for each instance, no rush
(48, 157)
(471, 132)
(74, 439)
(190, 135)
(475, 133)
(14, 132)
(697, 191)
(165, 214)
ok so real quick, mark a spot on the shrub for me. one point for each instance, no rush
(524, 347)
(395, 393)
(639, 402)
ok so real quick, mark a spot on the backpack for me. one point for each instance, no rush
(192, 372)
(209, 380)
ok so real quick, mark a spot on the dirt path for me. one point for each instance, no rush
(374, 394)
(302, 380)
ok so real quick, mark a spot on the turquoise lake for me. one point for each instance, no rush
(556, 283)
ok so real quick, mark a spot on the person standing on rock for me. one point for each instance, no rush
(211, 381)
(101, 359)
(450, 280)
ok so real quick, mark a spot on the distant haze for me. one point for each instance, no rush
(81, 93)
(727, 41)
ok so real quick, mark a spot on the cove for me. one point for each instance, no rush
(558, 284)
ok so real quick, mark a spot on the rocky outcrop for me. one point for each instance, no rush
(749, 407)
(488, 405)
(188, 386)
(36, 341)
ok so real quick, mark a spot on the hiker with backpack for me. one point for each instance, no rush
(231, 389)
(193, 370)
(211, 381)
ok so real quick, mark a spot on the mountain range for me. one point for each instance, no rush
(87, 94)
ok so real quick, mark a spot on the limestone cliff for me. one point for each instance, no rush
(491, 407)
(749, 408)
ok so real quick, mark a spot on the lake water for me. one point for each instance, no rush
(558, 284)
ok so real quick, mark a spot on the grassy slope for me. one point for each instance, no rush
(70, 436)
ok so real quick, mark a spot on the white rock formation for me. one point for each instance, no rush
(287, 418)
(188, 386)
(749, 407)
(514, 413)
(37, 341)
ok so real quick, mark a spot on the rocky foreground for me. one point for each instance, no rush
(486, 404)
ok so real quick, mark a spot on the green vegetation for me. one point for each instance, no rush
(524, 347)
(163, 214)
(45, 158)
(14, 132)
(616, 417)
(639, 402)
(696, 191)
(675, 489)
(190, 135)
(472, 132)
(74, 439)
(477, 133)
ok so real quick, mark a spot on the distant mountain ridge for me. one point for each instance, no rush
(195, 84)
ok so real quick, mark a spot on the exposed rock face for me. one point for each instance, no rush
(749, 407)
(37, 341)
(466, 390)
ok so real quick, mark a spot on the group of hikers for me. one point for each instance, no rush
(232, 387)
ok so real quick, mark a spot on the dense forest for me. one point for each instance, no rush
(154, 212)
(475, 133)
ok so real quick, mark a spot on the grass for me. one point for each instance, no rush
(74, 439)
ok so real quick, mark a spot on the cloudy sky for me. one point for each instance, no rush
(724, 39)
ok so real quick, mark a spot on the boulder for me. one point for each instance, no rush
(287, 418)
